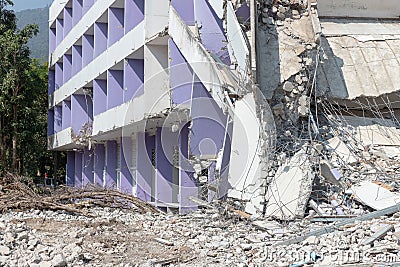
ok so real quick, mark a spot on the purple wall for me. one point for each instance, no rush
(52, 82)
(59, 80)
(70, 169)
(111, 164)
(115, 89)
(52, 40)
(115, 25)
(99, 96)
(134, 13)
(87, 4)
(133, 78)
(99, 164)
(66, 114)
(67, 67)
(57, 119)
(81, 112)
(67, 20)
(76, 59)
(212, 30)
(181, 75)
(59, 31)
(224, 185)
(100, 38)
(87, 49)
(144, 171)
(185, 9)
(50, 122)
(88, 162)
(126, 165)
(77, 11)
(78, 170)
(243, 13)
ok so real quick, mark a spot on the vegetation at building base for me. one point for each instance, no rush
(23, 101)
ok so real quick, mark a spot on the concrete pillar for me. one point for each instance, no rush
(77, 6)
(134, 13)
(99, 96)
(99, 164)
(87, 4)
(87, 49)
(59, 31)
(185, 9)
(52, 40)
(76, 59)
(66, 114)
(78, 169)
(50, 122)
(70, 172)
(67, 20)
(81, 112)
(126, 164)
(115, 25)
(51, 82)
(100, 38)
(111, 164)
(57, 119)
(224, 184)
(67, 67)
(133, 78)
(115, 90)
(144, 168)
(59, 79)
(88, 162)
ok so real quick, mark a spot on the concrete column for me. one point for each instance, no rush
(78, 169)
(50, 122)
(156, 16)
(99, 96)
(185, 9)
(134, 13)
(67, 67)
(57, 119)
(59, 79)
(87, 49)
(66, 114)
(67, 20)
(81, 112)
(51, 82)
(115, 25)
(100, 38)
(115, 90)
(59, 31)
(52, 40)
(133, 78)
(99, 164)
(87, 4)
(111, 164)
(224, 184)
(144, 168)
(126, 164)
(70, 173)
(76, 59)
(77, 6)
(88, 162)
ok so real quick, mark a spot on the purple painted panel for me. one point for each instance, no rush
(133, 78)
(78, 170)
(99, 164)
(134, 13)
(67, 20)
(88, 162)
(57, 119)
(66, 114)
(212, 30)
(187, 183)
(185, 9)
(76, 59)
(115, 89)
(59, 31)
(115, 25)
(59, 80)
(51, 82)
(77, 6)
(81, 112)
(70, 179)
(111, 164)
(181, 75)
(87, 49)
(145, 170)
(67, 67)
(99, 96)
(100, 38)
(87, 4)
(50, 122)
(243, 13)
(52, 40)
(224, 185)
(126, 164)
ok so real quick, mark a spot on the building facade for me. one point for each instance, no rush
(142, 94)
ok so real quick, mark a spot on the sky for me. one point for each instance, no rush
(30, 4)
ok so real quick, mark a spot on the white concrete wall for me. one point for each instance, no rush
(55, 9)
(60, 139)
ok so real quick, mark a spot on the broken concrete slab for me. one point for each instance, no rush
(342, 151)
(375, 196)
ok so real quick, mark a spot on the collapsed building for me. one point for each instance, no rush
(170, 101)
